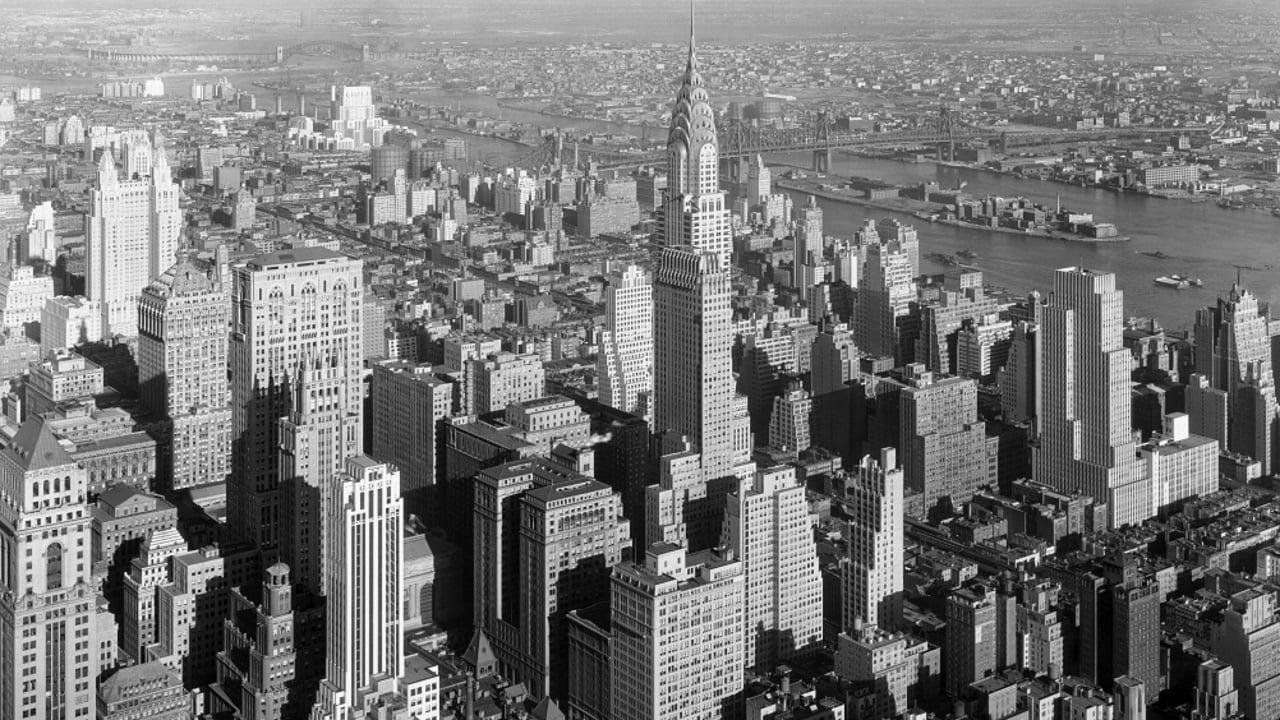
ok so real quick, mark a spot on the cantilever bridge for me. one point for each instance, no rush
(740, 140)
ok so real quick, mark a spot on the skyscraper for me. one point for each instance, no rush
(1233, 350)
(943, 442)
(46, 609)
(131, 236)
(288, 308)
(663, 670)
(363, 599)
(182, 372)
(693, 365)
(409, 405)
(970, 651)
(624, 365)
(316, 439)
(885, 291)
(546, 537)
(695, 212)
(873, 580)
(769, 527)
(1082, 396)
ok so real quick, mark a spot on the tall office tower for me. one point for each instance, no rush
(693, 380)
(770, 529)
(873, 582)
(364, 601)
(41, 239)
(663, 670)
(1207, 408)
(545, 538)
(23, 295)
(182, 372)
(355, 124)
(1245, 637)
(759, 181)
(257, 664)
(885, 293)
(1216, 694)
(147, 573)
(694, 211)
(1039, 627)
(962, 298)
(943, 441)
(624, 365)
(131, 236)
(409, 405)
(316, 439)
(789, 426)
(809, 232)
(900, 237)
(1017, 379)
(289, 307)
(49, 669)
(970, 648)
(1135, 637)
(1233, 350)
(1082, 396)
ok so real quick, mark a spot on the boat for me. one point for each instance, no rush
(1176, 282)
(1157, 255)
(966, 254)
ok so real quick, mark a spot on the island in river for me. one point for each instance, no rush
(1017, 216)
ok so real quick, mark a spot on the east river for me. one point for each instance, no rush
(1201, 239)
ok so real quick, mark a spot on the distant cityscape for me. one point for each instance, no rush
(367, 377)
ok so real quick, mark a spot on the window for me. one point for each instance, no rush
(53, 569)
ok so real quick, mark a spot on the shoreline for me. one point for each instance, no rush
(1181, 196)
(923, 211)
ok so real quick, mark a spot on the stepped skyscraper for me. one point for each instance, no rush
(1086, 442)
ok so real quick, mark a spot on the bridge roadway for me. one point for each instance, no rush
(738, 144)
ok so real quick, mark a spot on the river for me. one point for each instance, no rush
(1201, 239)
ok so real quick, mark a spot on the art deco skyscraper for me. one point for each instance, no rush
(363, 599)
(315, 442)
(693, 343)
(624, 365)
(49, 669)
(873, 581)
(1082, 396)
(769, 526)
(288, 307)
(131, 235)
(1233, 351)
(695, 212)
(182, 372)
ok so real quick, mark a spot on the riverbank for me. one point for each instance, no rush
(931, 212)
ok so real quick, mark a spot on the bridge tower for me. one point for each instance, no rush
(279, 54)
(946, 133)
(822, 160)
(822, 143)
(364, 52)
